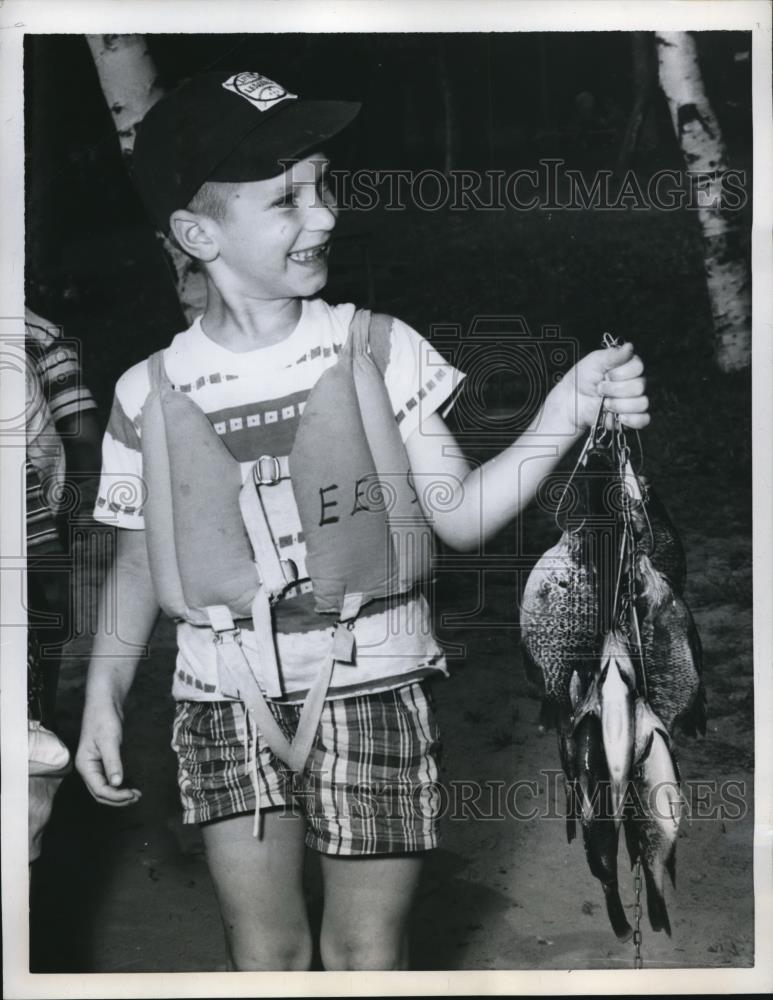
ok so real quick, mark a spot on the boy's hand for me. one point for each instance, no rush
(615, 374)
(98, 759)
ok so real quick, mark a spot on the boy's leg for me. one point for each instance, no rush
(372, 818)
(367, 905)
(259, 884)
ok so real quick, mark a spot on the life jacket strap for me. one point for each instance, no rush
(267, 562)
(157, 371)
(238, 681)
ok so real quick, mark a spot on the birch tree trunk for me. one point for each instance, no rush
(700, 138)
(129, 81)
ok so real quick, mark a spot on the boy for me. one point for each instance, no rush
(231, 166)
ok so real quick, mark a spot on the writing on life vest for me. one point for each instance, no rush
(369, 494)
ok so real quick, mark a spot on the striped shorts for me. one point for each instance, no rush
(370, 785)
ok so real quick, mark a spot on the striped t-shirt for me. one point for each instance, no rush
(254, 401)
(54, 391)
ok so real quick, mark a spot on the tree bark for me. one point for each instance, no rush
(700, 138)
(129, 81)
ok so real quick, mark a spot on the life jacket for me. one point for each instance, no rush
(347, 436)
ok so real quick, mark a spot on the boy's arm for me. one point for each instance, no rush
(128, 602)
(477, 503)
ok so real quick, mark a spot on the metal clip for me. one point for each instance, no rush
(227, 635)
(273, 478)
(289, 570)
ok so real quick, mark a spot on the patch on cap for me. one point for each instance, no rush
(258, 90)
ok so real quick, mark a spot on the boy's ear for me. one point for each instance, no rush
(193, 234)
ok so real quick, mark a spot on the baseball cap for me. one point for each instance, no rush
(224, 126)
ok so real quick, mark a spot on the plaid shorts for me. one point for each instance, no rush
(370, 785)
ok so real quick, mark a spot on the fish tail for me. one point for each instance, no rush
(656, 904)
(616, 913)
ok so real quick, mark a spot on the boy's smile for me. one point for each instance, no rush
(274, 239)
(310, 255)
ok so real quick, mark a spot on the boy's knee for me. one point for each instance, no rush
(264, 954)
(357, 954)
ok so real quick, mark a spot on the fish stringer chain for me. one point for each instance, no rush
(589, 443)
(621, 454)
(596, 438)
(628, 551)
(638, 961)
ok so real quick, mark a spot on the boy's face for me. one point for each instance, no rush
(274, 238)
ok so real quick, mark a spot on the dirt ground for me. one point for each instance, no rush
(128, 890)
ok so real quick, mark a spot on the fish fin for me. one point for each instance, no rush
(631, 830)
(590, 704)
(647, 748)
(656, 905)
(677, 772)
(671, 753)
(616, 913)
(549, 714)
(694, 642)
(692, 722)
(576, 690)
(699, 712)
(671, 864)
(534, 676)
(570, 789)
(566, 750)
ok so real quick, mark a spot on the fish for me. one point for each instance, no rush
(616, 694)
(671, 652)
(558, 634)
(654, 810)
(558, 624)
(565, 604)
(654, 532)
(565, 601)
(599, 831)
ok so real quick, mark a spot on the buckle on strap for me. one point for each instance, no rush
(272, 477)
(344, 645)
(228, 635)
(222, 623)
